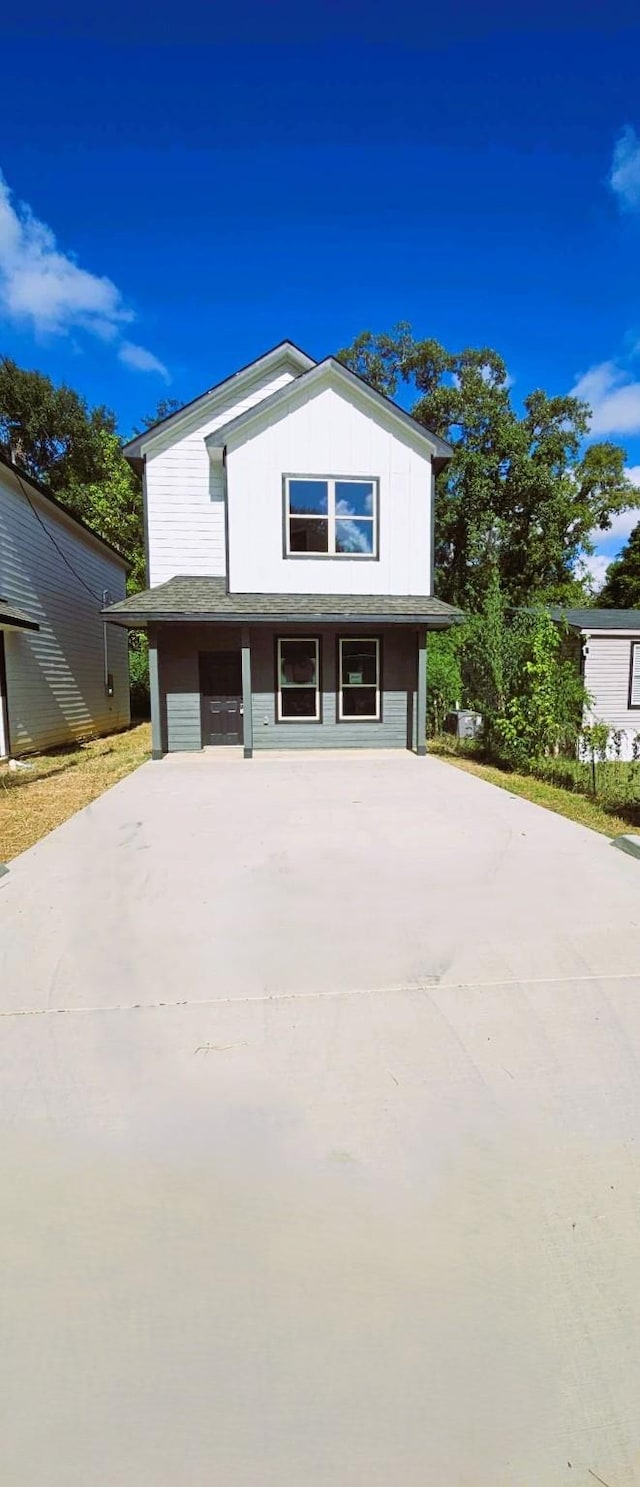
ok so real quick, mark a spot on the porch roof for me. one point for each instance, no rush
(183, 599)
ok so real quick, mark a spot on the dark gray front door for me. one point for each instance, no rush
(221, 693)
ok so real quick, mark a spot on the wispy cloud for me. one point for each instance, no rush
(594, 569)
(622, 525)
(44, 287)
(614, 399)
(624, 177)
(141, 360)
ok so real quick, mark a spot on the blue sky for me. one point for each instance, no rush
(201, 187)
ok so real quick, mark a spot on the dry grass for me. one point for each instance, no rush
(34, 801)
(587, 812)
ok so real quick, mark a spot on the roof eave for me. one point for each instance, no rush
(136, 448)
(439, 450)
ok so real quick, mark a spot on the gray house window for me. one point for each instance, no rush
(359, 676)
(298, 680)
(634, 683)
(330, 517)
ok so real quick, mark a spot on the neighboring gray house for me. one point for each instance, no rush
(610, 665)
(289, 522)
(63, 673)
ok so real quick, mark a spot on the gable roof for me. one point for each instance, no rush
(438, 448)
(24, 479)
(283, 352)
(207, 599)
(596, 620)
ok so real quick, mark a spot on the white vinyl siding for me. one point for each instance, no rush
(607, 677)
(185, 496)
(55, 676)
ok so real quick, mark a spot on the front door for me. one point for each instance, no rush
(221, 695)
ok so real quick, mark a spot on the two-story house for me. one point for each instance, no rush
(289, 528)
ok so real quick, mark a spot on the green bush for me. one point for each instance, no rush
(139, 675)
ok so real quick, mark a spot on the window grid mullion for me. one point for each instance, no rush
(332, 516)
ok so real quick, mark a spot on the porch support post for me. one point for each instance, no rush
(421, 720)
(247, 718)
(154, 696)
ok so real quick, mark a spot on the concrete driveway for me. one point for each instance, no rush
(320, 1103)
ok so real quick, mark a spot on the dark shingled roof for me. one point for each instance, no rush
(15, 619)
(598, 619)
(207, 599)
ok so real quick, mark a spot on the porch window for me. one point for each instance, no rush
(359, 676)
(298, 680)
(634, 687)
(331, 518)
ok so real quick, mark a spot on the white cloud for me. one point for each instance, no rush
(594, 569)
(141, 360)
(614, 399)
(44, 287)
(632, 473)
(622, 525)
(624, 177)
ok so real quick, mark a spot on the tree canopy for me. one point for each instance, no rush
(621, 588)
(74, 450)
(522, 495)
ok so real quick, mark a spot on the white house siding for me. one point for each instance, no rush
(185, 495)
(55, 676)
(606, 677)
(327, 434)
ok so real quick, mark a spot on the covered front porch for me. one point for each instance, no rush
(290, 687)
(284, 671)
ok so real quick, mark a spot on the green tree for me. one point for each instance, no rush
(444, 691)
(164, 408)
(520, 498)
(52, 433)
(112, 505)
(621, 588)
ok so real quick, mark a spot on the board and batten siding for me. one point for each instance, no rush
(328, 432)
(607, 666)
(181, 727)
(55, 675)
(185, 496)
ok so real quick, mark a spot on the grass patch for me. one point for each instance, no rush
(34, 801)
(600, 814)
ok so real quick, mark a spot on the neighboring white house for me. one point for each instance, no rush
(610, 666)
(289, 522)
(63, 673)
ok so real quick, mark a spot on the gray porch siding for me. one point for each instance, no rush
(398, 702)
(178, 649)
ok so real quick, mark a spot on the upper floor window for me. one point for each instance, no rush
(331, 518)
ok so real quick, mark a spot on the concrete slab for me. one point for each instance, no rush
(320, 1122)
(628, 843)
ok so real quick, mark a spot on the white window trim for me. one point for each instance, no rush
(634, 688)
(284, 639)
(362, 717)
(331, 481)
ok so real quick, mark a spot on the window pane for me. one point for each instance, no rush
(635, 677)
(354, 536)
(359, 663)
(308, 497)
(308, 534)
(298, 663)
(354, 498)
(298, 702)
(359, 702)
